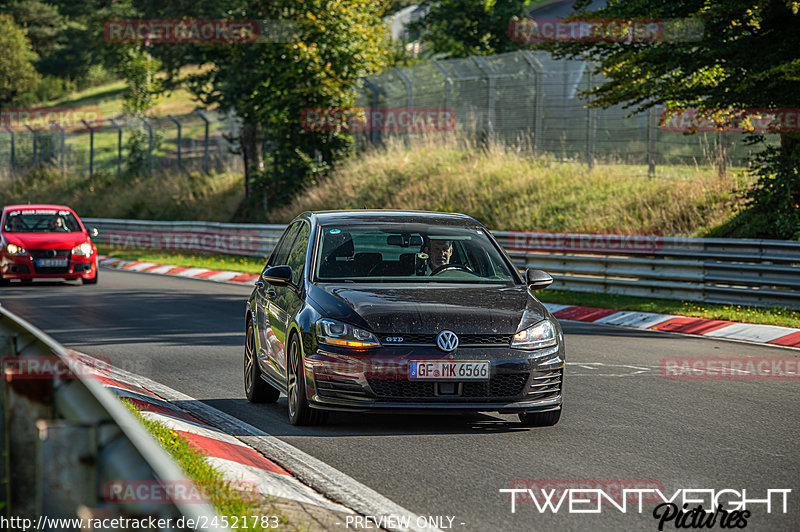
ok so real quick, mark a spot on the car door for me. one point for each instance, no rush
(270, 348)
(288, 300)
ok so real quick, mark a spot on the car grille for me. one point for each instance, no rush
(463, 339)
(545, 385)
(47, 254)
(503, 386)
(340, 389)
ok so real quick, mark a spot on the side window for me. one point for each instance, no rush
(281, 252)
(297, 255)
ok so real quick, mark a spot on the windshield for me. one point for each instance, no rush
(409, 252)
(41, 221)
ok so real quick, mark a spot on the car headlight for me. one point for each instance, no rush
(83, 250)
(14, 249)
(543, 334)
(343, 335)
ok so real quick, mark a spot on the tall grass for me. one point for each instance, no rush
(512, 190)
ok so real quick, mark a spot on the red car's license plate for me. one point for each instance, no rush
(447, 370)
(51, 263)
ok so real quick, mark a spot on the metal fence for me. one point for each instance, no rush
(528, 99)
(65, 436)
(715, 270)
(197, 141)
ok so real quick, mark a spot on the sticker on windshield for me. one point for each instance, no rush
(335, 231)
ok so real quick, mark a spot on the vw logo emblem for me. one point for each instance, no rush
(447, 341)
(51, 253)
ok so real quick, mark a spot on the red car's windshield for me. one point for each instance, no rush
(41, 221)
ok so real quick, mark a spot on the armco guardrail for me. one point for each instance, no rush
(748, 272)
(66, 438)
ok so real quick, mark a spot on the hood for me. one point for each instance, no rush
(430, 308)
(46, 240)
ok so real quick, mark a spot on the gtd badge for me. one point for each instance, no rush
(447, 341)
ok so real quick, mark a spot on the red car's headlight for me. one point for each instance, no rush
(13, 249)
(82, 250)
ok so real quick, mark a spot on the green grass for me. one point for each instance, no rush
(760, 315)
(228, 501)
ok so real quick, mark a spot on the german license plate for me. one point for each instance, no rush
(51, 263)
(449, 370)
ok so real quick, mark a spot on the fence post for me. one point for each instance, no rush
(374, 134)
(448, 84)
(205, 140)
(119, 146)
(149, 145)
(35, 155)
(590, 126)
(91, 148)
(652, 130)
(409, 95)
(178, 125)
(490, 99)
(61, 130)
(722, 155)
(11, 132)
(536, 66)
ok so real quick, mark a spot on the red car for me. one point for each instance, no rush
(45, 242)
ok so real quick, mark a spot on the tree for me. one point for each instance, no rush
(17, 74)
(747, 58)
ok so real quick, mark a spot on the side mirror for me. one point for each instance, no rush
(538, 279)
(93, 232)
(277, 275)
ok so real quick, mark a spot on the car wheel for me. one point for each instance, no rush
(92, 280)
(255, 388)
(540, 419)
(300, 413)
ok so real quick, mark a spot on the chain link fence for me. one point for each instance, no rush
(197, 141)
(528, 99)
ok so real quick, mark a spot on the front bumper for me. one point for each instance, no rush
(24, 267)
(519, 381)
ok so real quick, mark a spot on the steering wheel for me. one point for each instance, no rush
(444, 267)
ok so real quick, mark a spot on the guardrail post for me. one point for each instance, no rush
(35, 155)
(178, 125)
(91, 148)
(205, 141)
(149, 145)
(119, 146)
(11, 132)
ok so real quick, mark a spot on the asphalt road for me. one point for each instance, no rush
(622, 421)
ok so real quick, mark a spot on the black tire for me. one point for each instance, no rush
(93, 280)
(300, 413)
(4, 282)
(540, 419)
(255, 388)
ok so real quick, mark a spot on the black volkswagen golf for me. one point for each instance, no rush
(400, 311)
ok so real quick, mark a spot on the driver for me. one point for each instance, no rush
(439, 253)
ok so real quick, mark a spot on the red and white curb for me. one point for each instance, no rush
(221, 276)
(765, 334)
(237, 461)
(731, 330)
